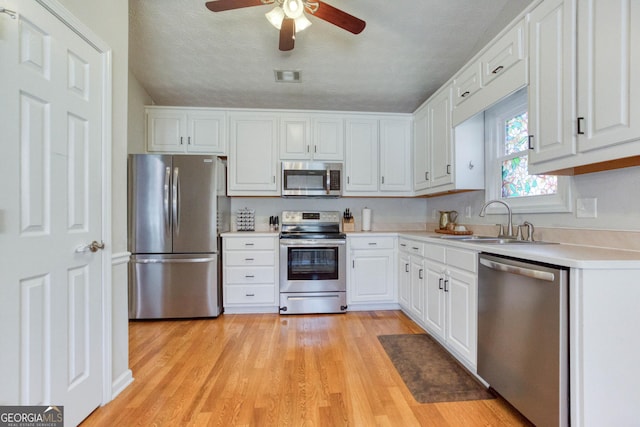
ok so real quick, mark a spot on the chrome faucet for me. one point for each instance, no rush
(509, 224)
(530, 230)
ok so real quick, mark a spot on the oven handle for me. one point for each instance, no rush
(308, 242)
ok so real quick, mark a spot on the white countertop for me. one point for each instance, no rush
(574, 256)
(250, 234)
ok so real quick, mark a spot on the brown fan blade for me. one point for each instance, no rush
(222, 5)
(287, 34)
(339, 18)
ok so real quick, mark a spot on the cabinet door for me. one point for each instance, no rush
(608, 72)
(435, 298)
(372, 276)
(395, 155)
(461, 335)
(295, 141)
(417, 298)
(362, 155)
(253, 161)
(404, 281)
(206, 132)
(503, 54)
(421, 167)
(328, 138)
(166, 130)
(466, 84)
(552, 80)
(439, 110)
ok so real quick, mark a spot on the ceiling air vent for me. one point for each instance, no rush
(287, 76)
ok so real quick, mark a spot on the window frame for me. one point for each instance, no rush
(494, 120)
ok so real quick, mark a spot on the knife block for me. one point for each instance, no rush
(348, 225)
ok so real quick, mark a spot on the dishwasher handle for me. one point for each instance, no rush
(521, 271)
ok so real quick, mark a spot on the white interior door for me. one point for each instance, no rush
(51, 104)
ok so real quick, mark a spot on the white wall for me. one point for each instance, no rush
(138, 98)
(618, 204)
(394, 213)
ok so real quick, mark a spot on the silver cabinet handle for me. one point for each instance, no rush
(248, 259)
(249, 276)
(250, 295)
(373, 244)
(406, 268)
(497, 69)
(465, 94)
(420, 276)
(440, 283)
(446, 282)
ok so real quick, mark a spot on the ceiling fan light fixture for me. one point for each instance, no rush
(293, 8)
(275, 17)
(302, 22)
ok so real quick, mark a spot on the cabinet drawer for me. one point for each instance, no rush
(249, 275)
(411, 246)
(249, 243)
(466, 84)
(250, 258)
(506, 52)
(371, 242)
(435, 252)
(250, 294)
(466, 260)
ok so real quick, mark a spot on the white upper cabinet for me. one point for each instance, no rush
(439, 136)
(295, 138)
(328, 138)
(186, 130)
(361, 165)
(378, 156)
(608, 73)
(311, 137)
(253, 166)
(421, 150)
(552, 81)
(499, 70)
(395, 155)
(585, 86)
(445, 158)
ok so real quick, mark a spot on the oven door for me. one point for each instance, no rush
(310, 265)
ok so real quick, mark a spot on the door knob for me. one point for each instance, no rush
(92, 247)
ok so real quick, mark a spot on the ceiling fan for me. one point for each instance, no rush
(288, 16)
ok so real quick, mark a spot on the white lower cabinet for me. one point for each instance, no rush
(250, 274)
(441, 294)
(371, 281)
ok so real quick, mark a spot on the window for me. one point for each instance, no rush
(507, 140)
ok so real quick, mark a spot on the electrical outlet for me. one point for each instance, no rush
(587, 207)
(467, 212)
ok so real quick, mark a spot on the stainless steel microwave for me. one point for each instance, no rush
(311, 179)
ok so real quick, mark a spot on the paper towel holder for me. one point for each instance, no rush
(366, 219)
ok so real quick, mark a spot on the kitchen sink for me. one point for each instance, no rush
(493, 240)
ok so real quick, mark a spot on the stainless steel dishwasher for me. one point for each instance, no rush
(523, 336)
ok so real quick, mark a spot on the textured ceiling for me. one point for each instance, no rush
(183, 54)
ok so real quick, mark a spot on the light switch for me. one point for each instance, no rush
(587, 207)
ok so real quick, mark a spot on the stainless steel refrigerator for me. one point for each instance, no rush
(177, 209)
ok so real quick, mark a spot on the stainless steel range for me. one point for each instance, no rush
(312, 263)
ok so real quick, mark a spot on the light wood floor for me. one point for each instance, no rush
(272, 370)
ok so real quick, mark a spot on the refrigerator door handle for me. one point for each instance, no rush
(172, 261)
(167, 179)
(176, 200)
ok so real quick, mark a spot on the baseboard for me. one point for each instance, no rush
(374, 306)
(121, 383)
